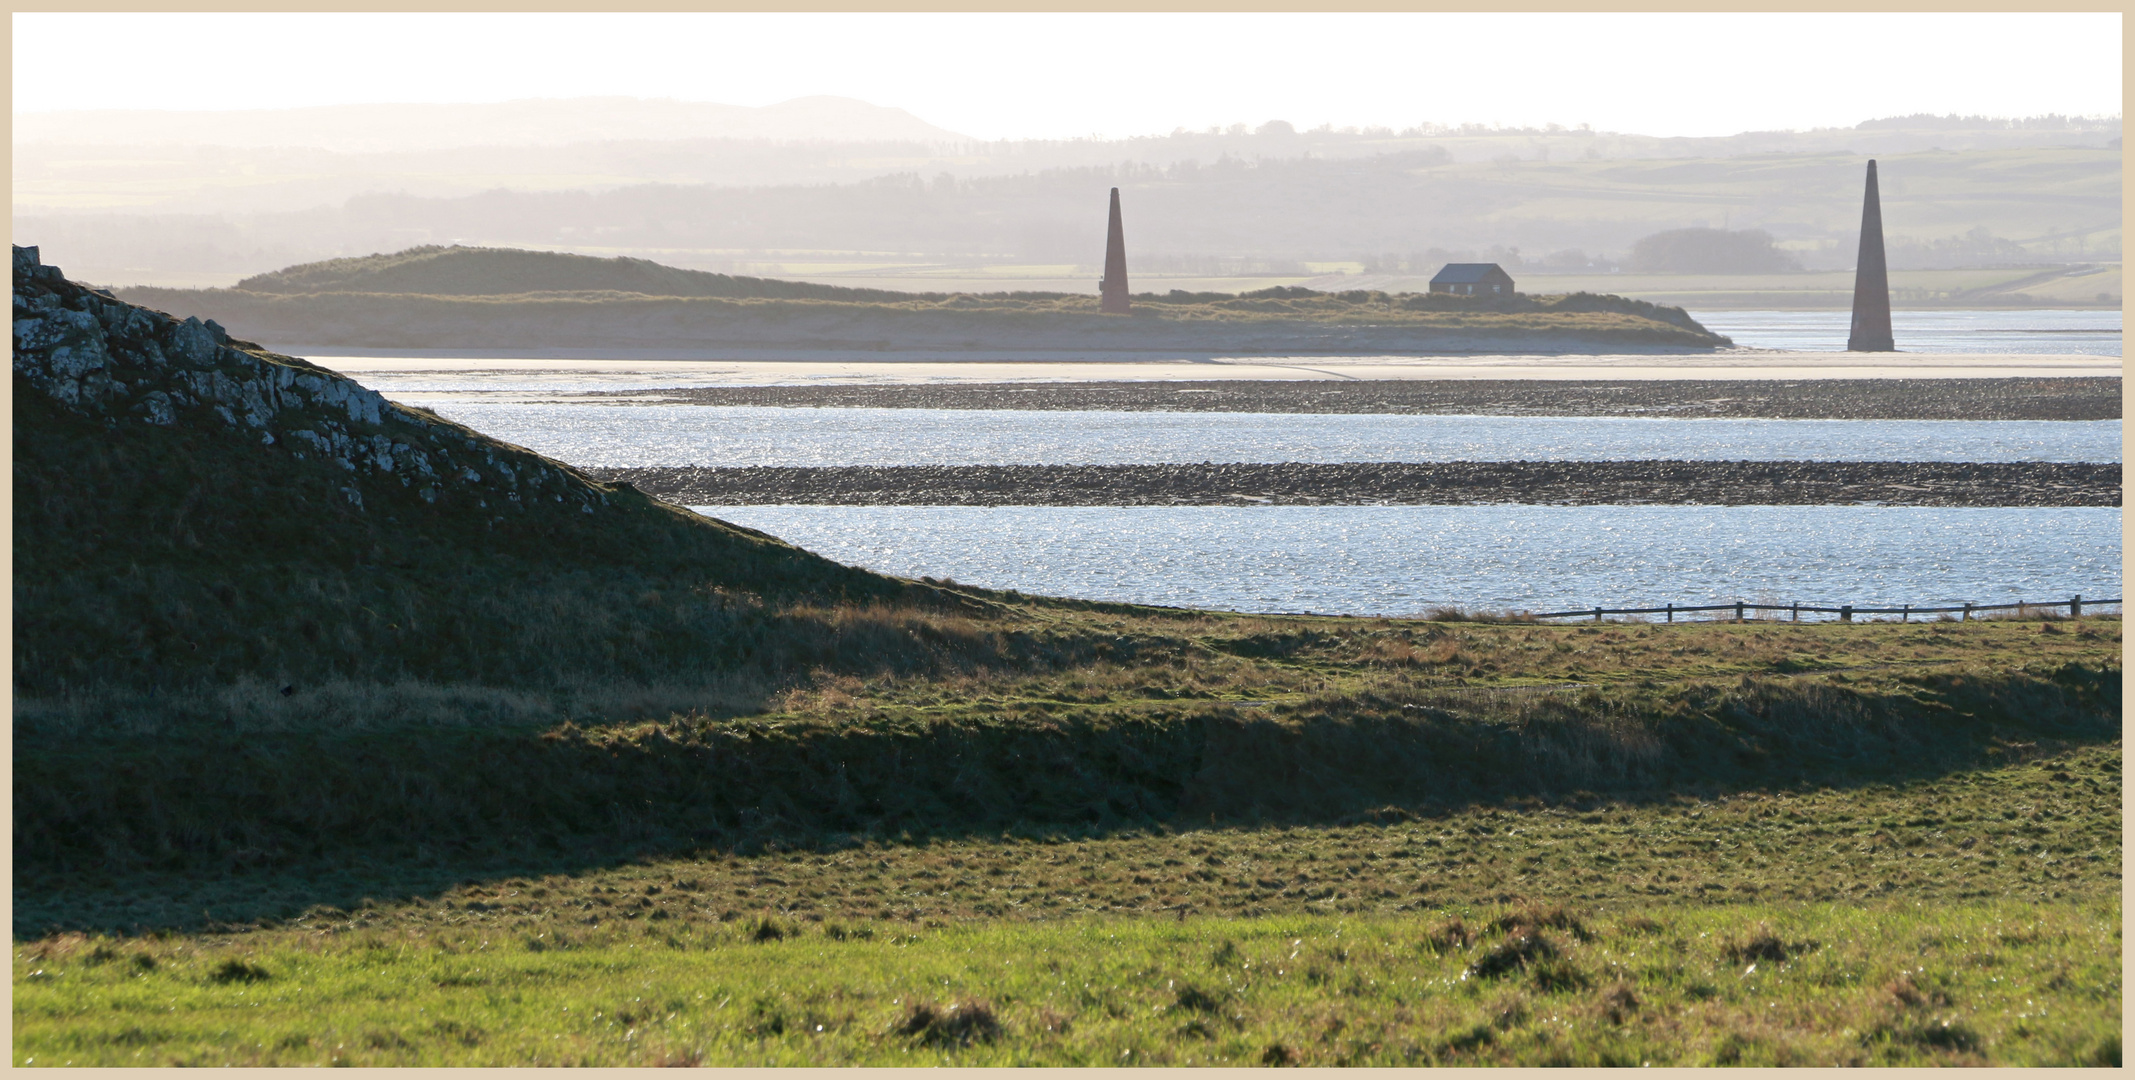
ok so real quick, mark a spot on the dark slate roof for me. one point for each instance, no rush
(1464, 273)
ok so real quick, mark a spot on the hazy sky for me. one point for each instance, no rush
(1065, 75)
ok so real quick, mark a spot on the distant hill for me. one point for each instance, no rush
(1214, 216)
(506, 299)
(479, 271)
(1710, 251)
(537, 122)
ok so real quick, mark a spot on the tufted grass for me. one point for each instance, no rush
(1966, 918)
(1892, 983)
(1094, 720)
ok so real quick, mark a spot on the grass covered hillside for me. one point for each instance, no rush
(191, 510)
(475, 271)
(495, 298)
(346, 735)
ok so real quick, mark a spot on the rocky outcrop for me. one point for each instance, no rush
(112, 361)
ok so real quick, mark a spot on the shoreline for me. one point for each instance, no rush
(564, 371)
(2068, 398)
(1579, 483)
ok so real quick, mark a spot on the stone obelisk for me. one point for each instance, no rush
(1112, 291)
(1871, 280)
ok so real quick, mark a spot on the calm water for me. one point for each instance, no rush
(2047, 332)
(1402, 560)
(646, 435)
(2080, 332)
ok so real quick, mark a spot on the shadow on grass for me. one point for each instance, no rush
(290, 820)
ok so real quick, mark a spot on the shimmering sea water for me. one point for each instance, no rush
(624, 435)
(1404, 560)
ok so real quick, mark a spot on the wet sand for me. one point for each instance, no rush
(1818, 399)
(1714, 483)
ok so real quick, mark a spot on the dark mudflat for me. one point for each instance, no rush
(1722, 483)
(2079, 398)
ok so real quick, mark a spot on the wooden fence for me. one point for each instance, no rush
(1845, 612)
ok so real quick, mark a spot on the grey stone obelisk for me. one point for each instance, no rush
(1112, 291)
(1871, 280)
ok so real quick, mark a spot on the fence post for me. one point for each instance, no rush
(1967, 616)
(1905, 613)
(2075, 606)
(1597, 614)
(1797, 611)
(1845, 613)
(1738, 611)
(1671, 613)
(2020, 609)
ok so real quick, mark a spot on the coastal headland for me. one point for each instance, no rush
(497, 298)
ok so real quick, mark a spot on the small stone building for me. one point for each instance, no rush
(1473, 279)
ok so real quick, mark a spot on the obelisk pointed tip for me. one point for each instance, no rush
(1871, 280)
(1112, 291)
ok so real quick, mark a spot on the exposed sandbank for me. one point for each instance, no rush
(1452, 483)
(2074, 398)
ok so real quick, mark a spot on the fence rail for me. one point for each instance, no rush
(1845, 612)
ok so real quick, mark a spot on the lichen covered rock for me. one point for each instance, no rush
(110, 360)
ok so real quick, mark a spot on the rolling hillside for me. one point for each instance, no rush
(503, 299)
(465, 271)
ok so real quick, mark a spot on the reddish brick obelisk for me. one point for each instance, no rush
(1112, 291)
(1871, 280)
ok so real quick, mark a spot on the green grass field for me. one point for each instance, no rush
(1864, 882)
(1968, 919)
